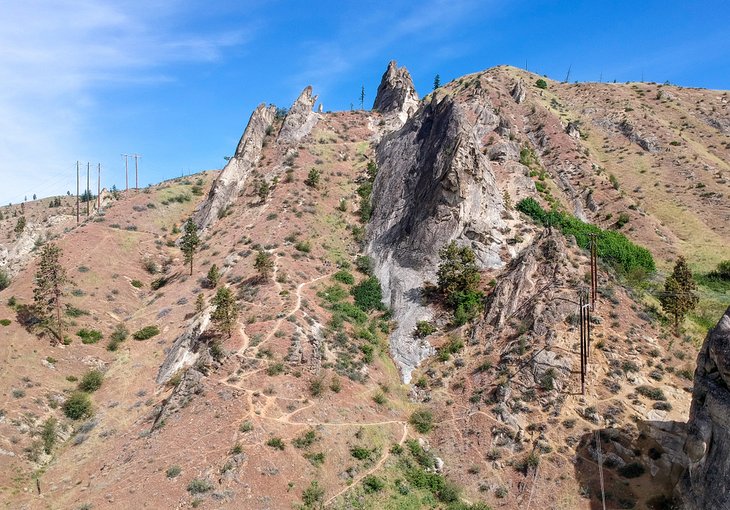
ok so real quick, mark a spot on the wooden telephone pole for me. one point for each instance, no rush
(594, 270)
(88, 191)
(98, 188)
(126, 172)
(78, 215)
(136, 172)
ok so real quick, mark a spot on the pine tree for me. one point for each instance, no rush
(436, 82)
(50, 279)
(679, 296)
(362, 97)
(214, 276)
(200, 303)
(190, 242)
(458, 282)
(226, 311)
(263, 190)
(264, 264)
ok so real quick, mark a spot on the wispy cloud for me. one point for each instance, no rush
(364, 37)
(55, 55)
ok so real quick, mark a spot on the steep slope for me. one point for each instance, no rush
(305, 401)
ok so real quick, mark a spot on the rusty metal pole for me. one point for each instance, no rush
(582, 348)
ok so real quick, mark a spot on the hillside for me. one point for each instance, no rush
(323, 395)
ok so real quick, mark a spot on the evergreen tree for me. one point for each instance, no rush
(458, 282)
(214, 276)
(50, 279)
(679, 296)
(190, 242)
(263, 190)
(200, 303)
(264, 264)
(226, 311)
(362, 97)
(20, 225)
(312, 179)
(436, 82)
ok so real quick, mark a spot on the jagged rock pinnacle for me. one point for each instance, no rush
(301, 118)
(396, 92)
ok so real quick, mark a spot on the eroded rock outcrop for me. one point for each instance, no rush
(233, 177)
(185, 350)
(646, 142)
(301, 118)
(518, 91)
(434, 185)
(705, 481)
(396, 93)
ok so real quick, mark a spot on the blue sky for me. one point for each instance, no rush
(176, 80)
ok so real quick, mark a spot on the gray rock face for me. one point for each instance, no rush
(184, 351)
(301, 118)
(230, 182)
(648, 143)
(396, 93)
(704, 483)
(518, 92)
(433, 185)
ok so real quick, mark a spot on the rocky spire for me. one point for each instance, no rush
(233, 177)
(301, 118)
(396, 92)
(705, 482)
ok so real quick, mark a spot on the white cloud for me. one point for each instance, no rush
(55, 55)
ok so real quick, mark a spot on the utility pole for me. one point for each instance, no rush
(126, 172)
(594, 270)
(98, 188)
(582, 347)
(567, 76)
(78, 215)
(88, 190)
(136, 175)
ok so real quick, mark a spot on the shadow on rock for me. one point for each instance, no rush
(640, 466)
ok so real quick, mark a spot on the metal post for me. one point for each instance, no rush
(98, 188)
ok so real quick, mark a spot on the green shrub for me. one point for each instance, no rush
(612, 247)
(541, 84)
(91, 381)
(5, 322)
(344, 276)
(78, 406)
(360, 453)
(365, 264)
(306, 440)
(4, 280)
(424, 328)
(422, 420)
(89, 336)
(313, 496)
(199, 486)
(48, 434)
(372, 483)
(137, 284)
(651, 392)
(276, 442)
(303, 246)
(173, 471)
(368, 294)
(118, 336)
(146, 333)
(312, 179)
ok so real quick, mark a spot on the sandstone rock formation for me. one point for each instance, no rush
(396, 94)
(301, 118)
(433, 185)
(231, 181)
(705, 482)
